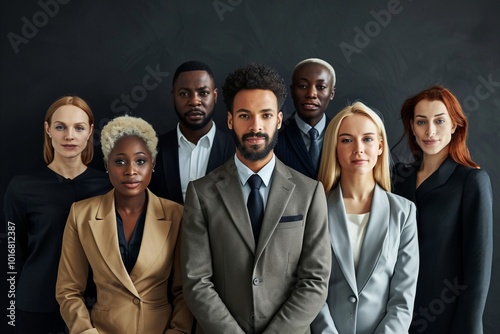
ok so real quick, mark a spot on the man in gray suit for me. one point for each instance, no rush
(256, 260)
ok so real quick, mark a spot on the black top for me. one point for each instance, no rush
(130, 251)
(455, 222)
(37, 205)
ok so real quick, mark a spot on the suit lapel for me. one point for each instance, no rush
(279, 194)
(229, 188)
(170, 159)
(375, 236)
(295, 136)
(437, 179)
(156, 230)
(339, 236)
(105, 234)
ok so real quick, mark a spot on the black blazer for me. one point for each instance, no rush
(455, 222)
(292, 151)
(166, 181)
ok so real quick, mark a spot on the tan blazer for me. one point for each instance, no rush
(233, 285)
(135, 303)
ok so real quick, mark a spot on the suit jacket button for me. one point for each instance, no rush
(256, 281)
(136, 301)
(352, 299)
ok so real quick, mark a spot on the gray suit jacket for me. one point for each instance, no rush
(233, 285)
(379, 297)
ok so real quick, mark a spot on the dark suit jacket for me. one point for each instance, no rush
(292, 151)
(233, 284)
(455, 221)
(166, 180)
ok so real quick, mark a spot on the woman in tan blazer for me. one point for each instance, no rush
(128, 237)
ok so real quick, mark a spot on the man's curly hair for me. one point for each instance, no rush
(253, 76)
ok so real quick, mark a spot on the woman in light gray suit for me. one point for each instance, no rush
(373, 232)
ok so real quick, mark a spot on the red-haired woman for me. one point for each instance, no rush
(36, 208)
(455, 217)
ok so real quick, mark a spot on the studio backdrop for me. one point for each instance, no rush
(120, 56)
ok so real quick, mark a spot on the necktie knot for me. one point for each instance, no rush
(255, 181)
(313, 134)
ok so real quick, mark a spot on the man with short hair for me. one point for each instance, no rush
(255, 247)
(301, 139)
(196, 146)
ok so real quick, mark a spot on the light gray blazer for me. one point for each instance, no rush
(379, 297)
(234, 285)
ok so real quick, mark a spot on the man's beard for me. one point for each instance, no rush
(255, 155)
(194, 126)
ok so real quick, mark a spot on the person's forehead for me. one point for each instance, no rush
(308, 69)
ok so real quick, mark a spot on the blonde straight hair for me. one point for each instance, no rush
(329, 168)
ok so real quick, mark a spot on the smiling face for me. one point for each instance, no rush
(69, 131)
(312, 90)
(194, 96)
(255, 121)
(130, 166)
(432, 127)
(359, 145)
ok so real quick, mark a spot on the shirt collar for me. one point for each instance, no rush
(304, 127)
(265, 172)
(207, 140)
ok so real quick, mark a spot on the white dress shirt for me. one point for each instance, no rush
(193, 159)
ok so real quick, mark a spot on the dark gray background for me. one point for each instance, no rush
(105, 50)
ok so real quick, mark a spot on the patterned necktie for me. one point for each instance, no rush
(255, 205)
(314, 147)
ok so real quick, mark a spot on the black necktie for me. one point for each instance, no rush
(255, 205)
(314, 147)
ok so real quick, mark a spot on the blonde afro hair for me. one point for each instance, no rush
(124, 126)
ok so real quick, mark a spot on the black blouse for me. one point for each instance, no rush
(37, 206)
(130, 251)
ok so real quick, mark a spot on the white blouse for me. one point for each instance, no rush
(356, 226)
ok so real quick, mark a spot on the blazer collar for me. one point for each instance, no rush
(156, 231)
(229, 188)
(103, 228)
(293, 133)
(170, 160)
(438, 178)
(375, 236)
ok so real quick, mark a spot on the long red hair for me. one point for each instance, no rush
(458, 146)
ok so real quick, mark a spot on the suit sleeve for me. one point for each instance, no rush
(72, 280)
(403, 283)
(313, 272)
(477, 250)
(182, 319)
(323, 324)
(199, 293)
